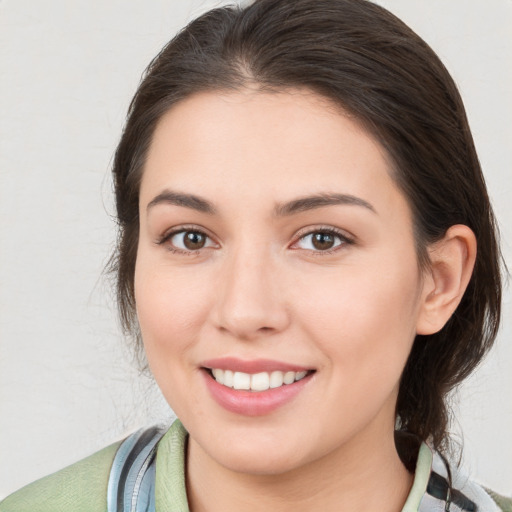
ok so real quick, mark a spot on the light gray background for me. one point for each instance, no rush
(68, 71)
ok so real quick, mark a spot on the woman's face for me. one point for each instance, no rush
(274, 247)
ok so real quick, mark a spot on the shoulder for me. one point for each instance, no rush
(439, 483)
(504, 503)
(79, 487)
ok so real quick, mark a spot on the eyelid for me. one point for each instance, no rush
(167, 235)
(346, 238)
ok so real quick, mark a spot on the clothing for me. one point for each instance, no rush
(84, 486)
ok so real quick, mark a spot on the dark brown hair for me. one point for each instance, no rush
(367, 61)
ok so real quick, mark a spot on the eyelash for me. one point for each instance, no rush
(327, 230)
(344, 239)
(182, 229)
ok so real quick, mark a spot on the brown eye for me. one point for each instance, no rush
(323, 241)
(188, 240)
(194, 240)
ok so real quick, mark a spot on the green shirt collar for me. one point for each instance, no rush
(170, 489)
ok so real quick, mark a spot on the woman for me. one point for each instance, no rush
(301, 256)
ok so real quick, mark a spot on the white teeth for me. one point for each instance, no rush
(260, 381)
(241, 380)
(289, 377)
(276, 379)
(300, 375)
(257, 381)
(228, 378)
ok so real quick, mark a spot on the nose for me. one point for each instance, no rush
(250, 301)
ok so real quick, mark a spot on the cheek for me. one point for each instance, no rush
(365, 322)
(170, 308)
(171, 311)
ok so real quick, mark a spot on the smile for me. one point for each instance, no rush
(254, 387)
(261, 381)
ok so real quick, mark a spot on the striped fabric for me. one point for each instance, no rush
(131, 486)
(450, 490)
(442, 488)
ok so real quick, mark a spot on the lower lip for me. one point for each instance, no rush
(253, 403)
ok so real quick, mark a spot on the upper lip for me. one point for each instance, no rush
(252, 366)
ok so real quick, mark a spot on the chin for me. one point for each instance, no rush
(255, 453)
(259, 462)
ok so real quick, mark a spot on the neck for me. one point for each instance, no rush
(363, 475)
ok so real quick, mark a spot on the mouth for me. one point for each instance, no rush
(254, 387)
(256, 382)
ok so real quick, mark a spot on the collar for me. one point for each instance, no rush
(443, 487)
(431, 490)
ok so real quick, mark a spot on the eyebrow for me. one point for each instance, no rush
(186, 200)
(301, 204)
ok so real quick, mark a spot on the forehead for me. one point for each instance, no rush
(273, 146)
(210, 120)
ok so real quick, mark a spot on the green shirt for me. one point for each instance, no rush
(82, 487)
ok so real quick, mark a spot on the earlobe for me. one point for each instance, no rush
(452, 260)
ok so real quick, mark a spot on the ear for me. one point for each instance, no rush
(452, 261)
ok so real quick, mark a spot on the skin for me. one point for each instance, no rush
(260, 289)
